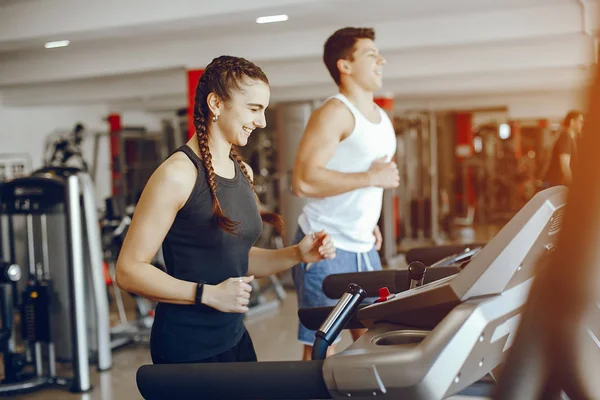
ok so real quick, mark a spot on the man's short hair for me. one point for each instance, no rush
(571, 115)
(340, 45)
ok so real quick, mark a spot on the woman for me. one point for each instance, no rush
(201, 205)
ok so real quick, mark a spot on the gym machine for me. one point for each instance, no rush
(61, 150)
(114, 225)
(46, 219)
(493, 172)
(418, 194)
(428, 342)
(95, 252)
(394, 280)
(135, 153)
(14, 165)
(13, 362)
(380, 284)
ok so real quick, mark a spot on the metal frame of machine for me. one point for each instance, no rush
(37, 198)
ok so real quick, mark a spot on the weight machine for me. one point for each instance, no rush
(58, 292)
(135, 153)
(418, 195)
(114, 226)
(63, 150)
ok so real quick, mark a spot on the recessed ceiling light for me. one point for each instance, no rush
(59, 43)
(271, 18)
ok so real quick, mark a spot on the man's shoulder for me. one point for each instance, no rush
(564, 143)
(334, 107)
(333, 113)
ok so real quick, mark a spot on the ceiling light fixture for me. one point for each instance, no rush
(271, 18)
(59, 43)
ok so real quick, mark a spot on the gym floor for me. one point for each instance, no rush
(273, 333)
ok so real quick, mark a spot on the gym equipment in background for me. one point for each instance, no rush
(417, 198)
(63, 150)
(121, 334)
(14, 165)
(49, 219)
(135, 153)
(114, 226)
(13, 362)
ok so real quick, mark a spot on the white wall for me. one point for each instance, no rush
(25, 129)
(532, 105)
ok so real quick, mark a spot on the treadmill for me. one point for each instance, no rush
(428, 342)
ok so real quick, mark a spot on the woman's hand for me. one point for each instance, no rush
(230, 296)
(316, 247)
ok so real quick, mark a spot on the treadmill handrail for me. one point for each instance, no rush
(240, 380)
(395, 280)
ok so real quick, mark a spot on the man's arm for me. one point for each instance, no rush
(326, 128)
(565, 167)
(564, 157)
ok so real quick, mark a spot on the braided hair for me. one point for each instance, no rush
(223, 75)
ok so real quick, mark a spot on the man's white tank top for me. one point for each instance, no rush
(351, 217)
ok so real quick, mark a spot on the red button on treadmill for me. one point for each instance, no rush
(384, 292)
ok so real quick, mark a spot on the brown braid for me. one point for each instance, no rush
(222, 220)
(221, 76)
(270, 218)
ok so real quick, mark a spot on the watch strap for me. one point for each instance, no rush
(199, 292)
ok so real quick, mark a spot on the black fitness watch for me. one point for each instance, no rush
(199, 291)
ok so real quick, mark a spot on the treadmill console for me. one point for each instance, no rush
(506, 261)
(424, 288)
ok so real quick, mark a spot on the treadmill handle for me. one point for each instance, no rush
(337, 320)
(416, 274)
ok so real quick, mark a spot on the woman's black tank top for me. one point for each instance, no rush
(196, 249)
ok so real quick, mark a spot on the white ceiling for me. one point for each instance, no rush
(134, 53)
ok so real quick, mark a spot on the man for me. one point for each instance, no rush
(343, 164)
(564, 151)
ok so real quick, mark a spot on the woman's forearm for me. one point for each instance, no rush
(265, 262)
(154, 284)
